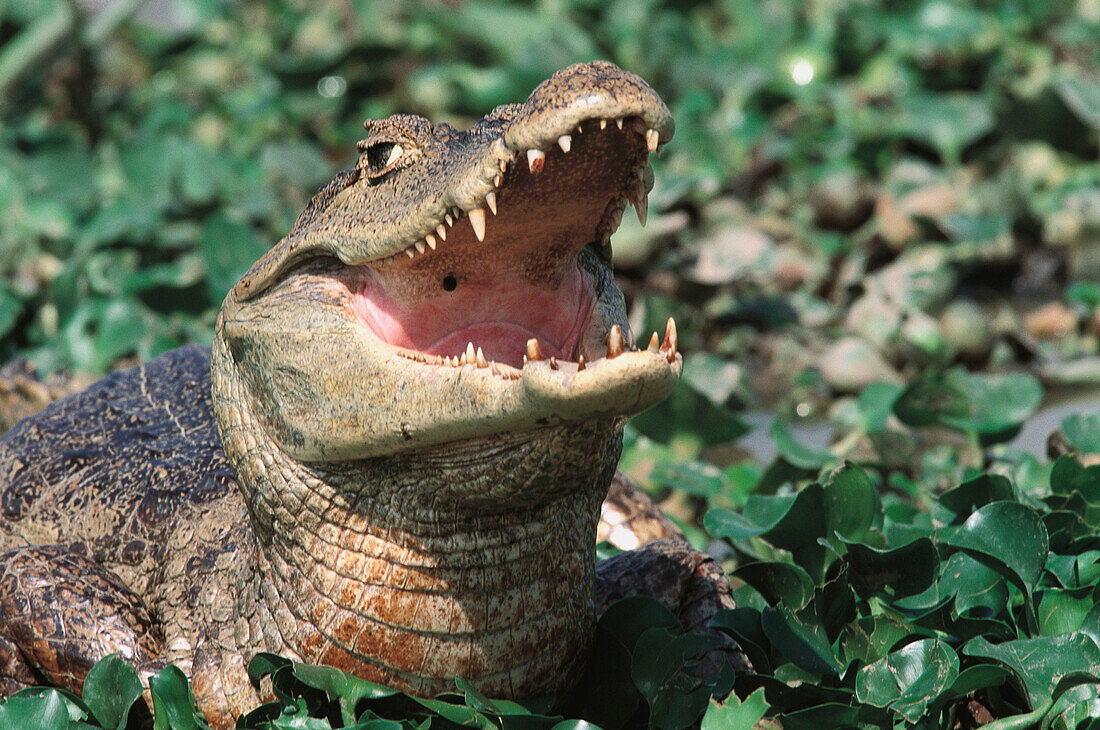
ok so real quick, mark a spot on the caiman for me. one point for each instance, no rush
(394, 457)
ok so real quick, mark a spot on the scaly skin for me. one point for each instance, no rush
(395, 458)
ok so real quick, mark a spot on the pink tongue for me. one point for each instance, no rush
(498, 314)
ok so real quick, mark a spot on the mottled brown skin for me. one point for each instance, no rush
(316, 491)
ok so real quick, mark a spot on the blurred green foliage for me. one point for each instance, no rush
(145, 163)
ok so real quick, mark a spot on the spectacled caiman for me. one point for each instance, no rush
(394, 457)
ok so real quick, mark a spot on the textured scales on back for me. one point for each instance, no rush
(396, 455)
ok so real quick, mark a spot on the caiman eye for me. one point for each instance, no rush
(383, 155)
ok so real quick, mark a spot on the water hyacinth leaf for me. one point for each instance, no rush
(800, 637)
(734, 713)
(229, 248)
(173, 705)
(709, 423)
(851, 502)
(945, 122)
(930, 399)
(907, 681)
(1069, 475)
(627, 619)
(110, 689)
(697, 478)
(876, 402)
(1041, 663)
(796, 453)
(743, 624)
(1064, 611)
(1080, 429)
(978, 492)
(38, 709)
(10, 307)
(903, 571)
(977, 677)
(999, 403)
(778, 582)
(870, 638)
(973, 585)
(1009, 537)
(787, 521)
(338, 684)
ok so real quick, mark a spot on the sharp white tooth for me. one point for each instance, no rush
(641, 207)
(450, 221)
(491, 201)
(535, 160)
(580, 363)
(409, 252)
(470, 354)
(615, 342)
(480, 359)
(420, 246)
(652, 137)
(431, 241)
(654, 343)
(442, 231)
(670, 342)
(477, 222)
(504, 165)
(565, 142)
(619, 123)
(498, 181)
(534, 353)
(395, 154)
(603, 124)
(553, 363)
(580, 129)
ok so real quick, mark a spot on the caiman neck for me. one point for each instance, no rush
(472, 559)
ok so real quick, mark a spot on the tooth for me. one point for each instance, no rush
(619, 123)
(477, 222)
(565, 142)
(480, 359)
(553, 363)
(652, 137)
(471, 356)
(580, 129)
(534, 354)
(670, 336)
(409, 252)
(580, 363)
(450, 221)
(442, 231)
(503, 165)
(641, 207)
(615, 342)
(389, 259)
(535, 160)
(603, 124)
(491, 201)
(497, 181)
(431, 241)
(420, 246)
(493, 368)
(654, 343)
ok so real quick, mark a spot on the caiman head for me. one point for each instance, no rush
(439, 340)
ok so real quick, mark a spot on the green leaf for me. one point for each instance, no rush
(735, 714)
(689, 411)
(803, 457)
(1041, 663)
(173, 705)
(1081, 430)
(338, 684)
(907, 681)
(801, 638)
(229, 248)
(905, 570)
(43, 709)
(1009, 537)
(786, 521)
(110, 689)
(778, 582)
(851, 502)
(978, 492)
(973, 585)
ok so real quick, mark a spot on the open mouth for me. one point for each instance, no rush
(513, 278)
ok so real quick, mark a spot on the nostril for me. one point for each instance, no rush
(450, 283)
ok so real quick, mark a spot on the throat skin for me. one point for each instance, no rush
(471, 559)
